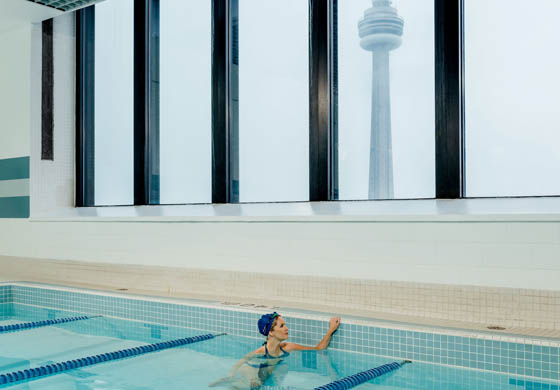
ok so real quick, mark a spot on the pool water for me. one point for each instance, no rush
(197, 365)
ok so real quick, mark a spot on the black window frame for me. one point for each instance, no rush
(449, 88)
(146, 102)
(85, 107)
(323, 95)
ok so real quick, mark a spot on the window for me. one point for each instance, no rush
(185, 117)
(273, 100)
(386, 99)
(511, 88)
(232, 101)
(114, 113)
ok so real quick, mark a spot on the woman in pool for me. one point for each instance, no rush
(256, 367)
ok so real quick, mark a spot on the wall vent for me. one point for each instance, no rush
(66, 5)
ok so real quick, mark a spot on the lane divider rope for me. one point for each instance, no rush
(361, 377)
(37, 324)
(56, 368)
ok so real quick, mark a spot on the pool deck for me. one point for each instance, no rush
(168, 284)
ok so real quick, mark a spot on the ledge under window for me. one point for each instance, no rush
(542, 209)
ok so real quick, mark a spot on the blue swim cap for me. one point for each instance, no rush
(265, 323)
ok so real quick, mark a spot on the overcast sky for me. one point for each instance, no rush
(512, 84)
(114, 103)
(511, 109)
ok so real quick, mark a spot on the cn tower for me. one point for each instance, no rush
(380, 32)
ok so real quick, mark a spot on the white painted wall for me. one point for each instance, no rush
(483, 253)
(505, 254)
(15, 46)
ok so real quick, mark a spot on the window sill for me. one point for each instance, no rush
(539, 209)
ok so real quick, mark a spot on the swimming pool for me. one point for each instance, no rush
(440, 361)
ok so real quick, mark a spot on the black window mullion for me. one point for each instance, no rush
(140, 105)
(449, 99)
(221, 188)
(146, 96)
(85, 106)
(153, 99)
(233, 100)
(321, 168)
(333, 54)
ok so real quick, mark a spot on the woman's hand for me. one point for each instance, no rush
(323, 344)
(333, 324)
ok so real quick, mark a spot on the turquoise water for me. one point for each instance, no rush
(195, 366)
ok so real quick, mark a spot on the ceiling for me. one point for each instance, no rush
(17, 13)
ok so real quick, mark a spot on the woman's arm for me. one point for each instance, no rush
(240, 362)
(323, 344)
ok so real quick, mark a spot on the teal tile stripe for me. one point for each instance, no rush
(14, 207)
(14, 168)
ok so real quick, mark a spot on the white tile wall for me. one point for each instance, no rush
(349, 250)
(52, 182)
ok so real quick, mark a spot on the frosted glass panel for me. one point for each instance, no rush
(114, 56)
(273, 100)
(386, 108)
(185, 101)
(511, 96)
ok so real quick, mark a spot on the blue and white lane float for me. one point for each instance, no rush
(362, 377)
(56, 368)
(37, 324)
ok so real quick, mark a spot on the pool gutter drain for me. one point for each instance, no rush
(495, 327)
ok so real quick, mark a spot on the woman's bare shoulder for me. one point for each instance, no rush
(289, 347)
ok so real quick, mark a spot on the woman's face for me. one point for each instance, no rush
(280, 330)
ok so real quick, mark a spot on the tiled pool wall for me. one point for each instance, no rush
(5, 300)
(535, 358)
(5, 294)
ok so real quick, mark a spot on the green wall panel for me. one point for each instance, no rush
(14, 207)
(14, 168)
